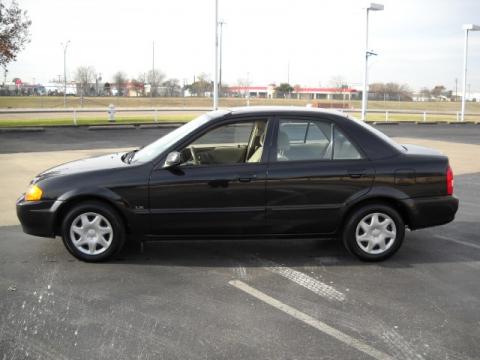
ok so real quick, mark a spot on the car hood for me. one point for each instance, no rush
(104, 162)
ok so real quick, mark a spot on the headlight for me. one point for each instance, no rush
(34, 193)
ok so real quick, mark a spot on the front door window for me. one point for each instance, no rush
(234, 143)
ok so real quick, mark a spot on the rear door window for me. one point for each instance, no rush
(300, 140)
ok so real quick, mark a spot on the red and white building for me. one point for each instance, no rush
(309, 93)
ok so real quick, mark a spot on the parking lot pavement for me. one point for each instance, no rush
(246, 299)
(22, 167)
(68, 138)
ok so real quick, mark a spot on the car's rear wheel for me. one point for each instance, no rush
(93, 231)
(374, 232)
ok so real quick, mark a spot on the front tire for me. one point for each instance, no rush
(374, 232)
(93, 231)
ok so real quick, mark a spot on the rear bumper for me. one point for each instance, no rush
(37, 217)
(432, 211)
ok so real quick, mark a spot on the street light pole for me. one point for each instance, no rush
(153, 80)
(215, 76)
(221, 23)
(373, 7)
(467, 28)
(65, 73)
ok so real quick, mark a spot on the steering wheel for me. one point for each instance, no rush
(194, 156)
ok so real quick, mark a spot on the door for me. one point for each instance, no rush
(219, 189)
(314, 170)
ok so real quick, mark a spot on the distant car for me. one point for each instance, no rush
(247, 173)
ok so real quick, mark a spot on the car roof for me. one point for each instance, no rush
(246, 110)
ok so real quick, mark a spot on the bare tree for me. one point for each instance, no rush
(172, 87)
(245, 84)
(390, 91)
(84, 76)
(138, 85)
(155, 78)
(120, 80)
(14, 31)
(426, 93)
(338, 82)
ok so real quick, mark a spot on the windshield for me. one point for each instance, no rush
(154, 149)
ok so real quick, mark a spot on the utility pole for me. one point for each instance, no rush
(215, 72)
(65, 46)
(221, 23)
(456, 88)
(153, 70)
(288, 79)
(5, 72)
(288, 72)
(466, 28)
(371, 7)
(248, 89)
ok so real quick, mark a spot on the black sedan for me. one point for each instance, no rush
(247, 173)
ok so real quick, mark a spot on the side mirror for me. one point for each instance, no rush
(173, 159)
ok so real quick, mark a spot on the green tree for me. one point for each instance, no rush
(438, 90)
(283, 90)
(201, 86)
(14, 31)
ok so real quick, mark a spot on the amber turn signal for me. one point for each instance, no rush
(34, 193)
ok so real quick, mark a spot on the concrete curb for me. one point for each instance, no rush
(385, 123)
(460, 122)
(21, 129)
(427, 123)
(111, 127)
(159, 126)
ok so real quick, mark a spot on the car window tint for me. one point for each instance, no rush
(234, 133)
(318, 132)
(295, 130)
(343, 148)
(312, 140)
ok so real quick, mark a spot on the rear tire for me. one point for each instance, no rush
(93, 231)
(374, 232)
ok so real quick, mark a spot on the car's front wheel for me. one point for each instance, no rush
(374, 232)
(93, 231)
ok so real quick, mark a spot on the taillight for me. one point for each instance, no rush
(449, 181)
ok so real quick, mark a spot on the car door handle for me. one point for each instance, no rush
(356, 174)
(246, 178)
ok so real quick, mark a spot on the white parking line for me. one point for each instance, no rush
(326, 329)
(466, 243)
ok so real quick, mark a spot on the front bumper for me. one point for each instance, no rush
(432, 211)
(37, 217)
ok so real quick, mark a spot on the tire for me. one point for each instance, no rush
(373, 232)
(93, 231)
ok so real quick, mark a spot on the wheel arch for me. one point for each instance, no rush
(70, 202)
(391, 201)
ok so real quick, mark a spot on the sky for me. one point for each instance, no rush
(309, 42)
